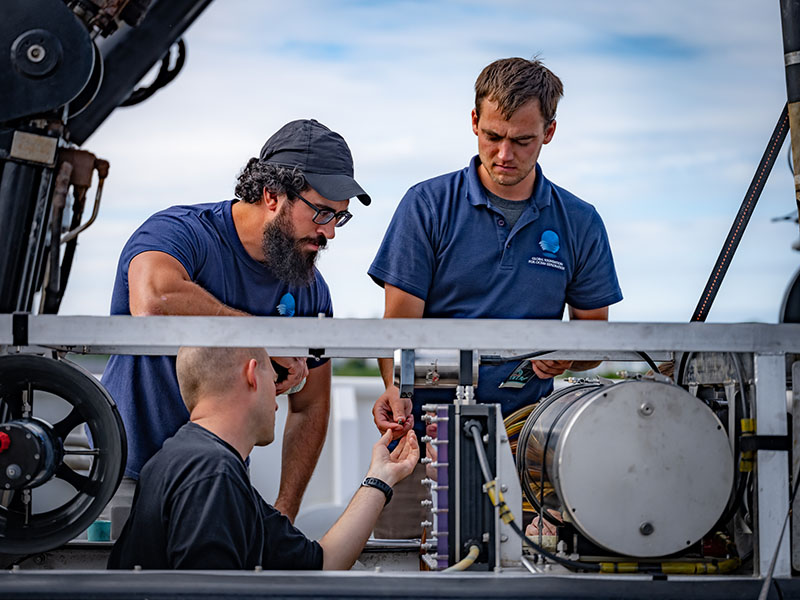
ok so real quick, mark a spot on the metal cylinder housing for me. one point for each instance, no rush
(642, 468)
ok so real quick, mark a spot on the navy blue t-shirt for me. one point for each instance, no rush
(204, 239)
(194, 508)
(450, 246)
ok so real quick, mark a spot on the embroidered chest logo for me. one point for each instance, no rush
(550, 245)
(286, 307)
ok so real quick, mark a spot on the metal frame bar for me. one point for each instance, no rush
(380, 337)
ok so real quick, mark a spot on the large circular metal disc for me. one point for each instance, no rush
(24, 379)
(644, 468)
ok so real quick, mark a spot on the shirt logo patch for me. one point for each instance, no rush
(549, 243)
(287, 305)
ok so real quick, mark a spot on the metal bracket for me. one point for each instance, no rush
(19, 329)
(749, 443)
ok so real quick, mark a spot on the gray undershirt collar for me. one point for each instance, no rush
(512, 209)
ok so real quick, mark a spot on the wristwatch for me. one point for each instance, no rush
(379, 485)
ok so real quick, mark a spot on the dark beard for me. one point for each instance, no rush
(285, 256)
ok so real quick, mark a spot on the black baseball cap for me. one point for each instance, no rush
(321, 154)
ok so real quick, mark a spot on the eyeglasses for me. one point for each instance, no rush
(323, 216)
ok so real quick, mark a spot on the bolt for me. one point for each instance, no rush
(646, 409)
(425, 460)
(426, 503)
(504, 488)
(13, 472)
(504, 538)
(36, 53)
(36, 456)
(425, 523)
(646, 528)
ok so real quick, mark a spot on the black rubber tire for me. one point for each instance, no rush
(92, 406)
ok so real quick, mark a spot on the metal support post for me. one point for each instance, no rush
(796, 463)
(772, 466)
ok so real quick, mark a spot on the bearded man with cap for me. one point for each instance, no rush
(253, 255)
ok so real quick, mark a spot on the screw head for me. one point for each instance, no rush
(13, 471)
(646, 528)
(36, 53)
(646, 409)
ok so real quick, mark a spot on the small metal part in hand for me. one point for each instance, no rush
(401, 421)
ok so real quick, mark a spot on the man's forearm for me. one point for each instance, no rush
(303, 438)
(584, 365)
(344, 542)
(186, 299)
(386, 366)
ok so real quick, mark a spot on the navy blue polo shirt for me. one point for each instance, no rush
(203, 238)
(450, 246)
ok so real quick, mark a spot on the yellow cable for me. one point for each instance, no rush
(466, 562)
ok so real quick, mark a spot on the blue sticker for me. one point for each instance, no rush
(549, 242)
(286, 307)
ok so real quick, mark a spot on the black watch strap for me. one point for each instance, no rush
(379, 485)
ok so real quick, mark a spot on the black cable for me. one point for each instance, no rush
(575, 564)
(164, 77)
(649, 361)
(487, 475)
(742, 218)
(543, 513)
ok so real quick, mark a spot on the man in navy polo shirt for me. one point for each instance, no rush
(494, 240)
(253, 255)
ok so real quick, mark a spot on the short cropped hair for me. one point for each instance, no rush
(513, 82)
(257, 176)
(211, 371)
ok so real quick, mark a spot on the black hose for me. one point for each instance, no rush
(487, 475)
(742, 218)
(649, 361)
(164, 77)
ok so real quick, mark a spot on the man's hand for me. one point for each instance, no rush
(547, 527)
(298, 370)
(397, 465)
(545, 369)
(393, 413)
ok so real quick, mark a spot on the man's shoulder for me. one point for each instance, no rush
(204, 211)
(441, 183)
(571, 203)
(192, 452)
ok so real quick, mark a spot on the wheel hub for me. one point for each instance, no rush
(32, 453)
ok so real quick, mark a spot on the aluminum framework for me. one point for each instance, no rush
(379, 338)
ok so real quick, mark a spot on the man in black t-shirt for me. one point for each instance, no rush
(194, 506)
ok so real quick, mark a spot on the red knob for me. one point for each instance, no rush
(5, 441)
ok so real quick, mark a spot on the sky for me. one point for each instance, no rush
(667, 109)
